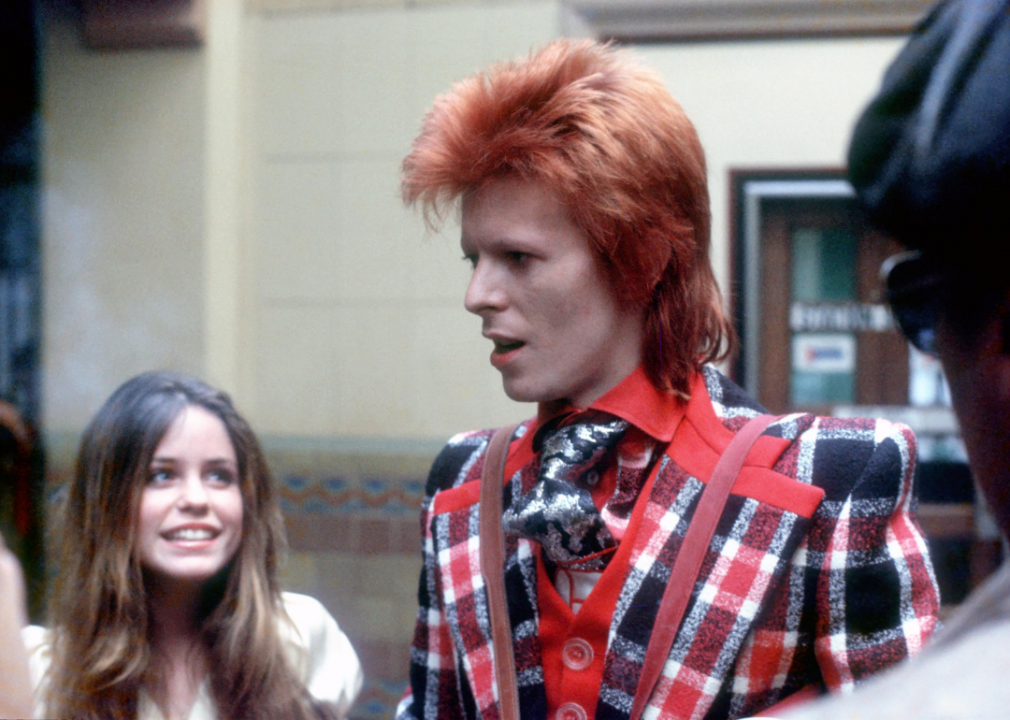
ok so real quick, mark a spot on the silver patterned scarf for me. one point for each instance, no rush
(558, 512)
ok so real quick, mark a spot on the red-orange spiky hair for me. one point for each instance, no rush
(604, 133)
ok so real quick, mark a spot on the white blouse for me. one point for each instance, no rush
(320, 652)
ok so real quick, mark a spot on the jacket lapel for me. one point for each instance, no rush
(763, 522)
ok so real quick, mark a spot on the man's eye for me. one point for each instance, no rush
(472, 259)
(517, 257)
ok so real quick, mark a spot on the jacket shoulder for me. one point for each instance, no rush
(457, 462)
(867, 457)
(834, 453)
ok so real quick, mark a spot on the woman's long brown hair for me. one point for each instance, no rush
(101, 650)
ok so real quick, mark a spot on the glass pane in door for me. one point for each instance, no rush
(823, 368)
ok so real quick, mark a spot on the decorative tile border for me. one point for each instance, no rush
(350, 496)
(338, 515)
(338, 495)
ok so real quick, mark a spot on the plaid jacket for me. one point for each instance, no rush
(817, 575)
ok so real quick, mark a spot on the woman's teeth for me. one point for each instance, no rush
(190, 534)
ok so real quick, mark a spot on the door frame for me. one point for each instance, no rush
(749, 188)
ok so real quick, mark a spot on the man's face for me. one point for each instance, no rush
(558, 331)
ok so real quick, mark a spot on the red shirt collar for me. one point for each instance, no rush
(656, 412)
(635, 399)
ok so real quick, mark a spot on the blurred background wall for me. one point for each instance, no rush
(231, 209)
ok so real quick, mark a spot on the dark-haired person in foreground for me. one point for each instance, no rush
(930, 160)
(585, 217)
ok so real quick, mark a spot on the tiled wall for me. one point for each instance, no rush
(357, 318)
(352, 520)
(122, 186)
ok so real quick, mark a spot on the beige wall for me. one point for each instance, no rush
(235, 212)
(122, 224)
(357, 320)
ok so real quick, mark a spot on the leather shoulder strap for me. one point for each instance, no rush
(692, 552)
(492, 560)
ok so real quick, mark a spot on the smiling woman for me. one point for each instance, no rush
(190, 520)
(167, 604)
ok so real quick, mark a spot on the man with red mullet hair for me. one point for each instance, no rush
(665, 550)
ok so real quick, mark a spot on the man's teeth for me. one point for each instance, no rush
(191, 534)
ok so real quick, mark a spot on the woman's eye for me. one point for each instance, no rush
(221, 477)
(159, 476)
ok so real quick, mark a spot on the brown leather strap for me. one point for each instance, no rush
(692, 553)
(492, 560)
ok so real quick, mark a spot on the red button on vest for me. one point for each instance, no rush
(577, 654)
(570, 711)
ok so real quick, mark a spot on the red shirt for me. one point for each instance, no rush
(574, 644)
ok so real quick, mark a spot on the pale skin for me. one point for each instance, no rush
(15, 684)
(175, 644)
(560, 335)
(189, 527)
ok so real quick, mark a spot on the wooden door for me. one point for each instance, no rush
(826, 338)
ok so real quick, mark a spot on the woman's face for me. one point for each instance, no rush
(189, 523)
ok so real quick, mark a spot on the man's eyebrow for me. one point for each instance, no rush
(506, 240)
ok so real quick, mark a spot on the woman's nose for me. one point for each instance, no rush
(193, 494)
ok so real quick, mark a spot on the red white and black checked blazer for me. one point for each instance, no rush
(817, 575)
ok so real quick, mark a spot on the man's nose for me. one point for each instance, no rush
(486, 291)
